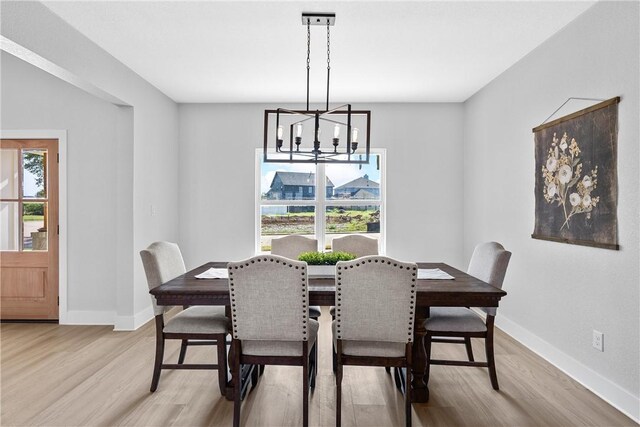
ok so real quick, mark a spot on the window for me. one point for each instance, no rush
(24, 201)
(321, 201)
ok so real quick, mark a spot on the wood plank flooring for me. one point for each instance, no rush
(92, 376)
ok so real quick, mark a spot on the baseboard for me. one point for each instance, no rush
(131, 323)
(607, 390)
(82, 317)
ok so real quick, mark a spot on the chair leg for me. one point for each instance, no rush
(314, 366)
(183, 351)
(338, 391)
(237, 386)
(488, 345)
(333, 359)
(305, 385)
(155, 379)
(407, 388)
(467, 344)
(221, 346)
(427, 349)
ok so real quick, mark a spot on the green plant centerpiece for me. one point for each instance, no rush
(325, 258)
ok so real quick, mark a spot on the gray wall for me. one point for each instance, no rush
(147, 168)
(33, 99)
(559, 293)
(424, 179)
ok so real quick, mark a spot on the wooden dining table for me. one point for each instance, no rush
(461, 291)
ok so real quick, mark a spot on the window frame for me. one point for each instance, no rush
(320, 201)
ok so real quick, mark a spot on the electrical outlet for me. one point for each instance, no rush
(598, 340)
(152, 210)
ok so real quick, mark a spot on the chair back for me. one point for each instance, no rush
(489, 263)
(354, 244)
(375, 299)
(162, 262)
(269, 299)
(292, 246)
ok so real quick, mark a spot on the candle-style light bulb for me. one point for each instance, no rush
(298, 138)
(354, 140)
(336, 139)
(280, 132)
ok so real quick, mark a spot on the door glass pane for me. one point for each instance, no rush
(287, 182)
(34, 175)
(343, 220)
(359, 182)
(34, 226)
(9, 173)
(278, 221)
(9, 226)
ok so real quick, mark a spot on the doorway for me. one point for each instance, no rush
(29, 229)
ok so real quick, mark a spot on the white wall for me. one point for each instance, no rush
(424, 179)
(559, 293)
(153, 154)
(33, 99)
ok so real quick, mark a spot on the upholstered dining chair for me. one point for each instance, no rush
(162, 262)
(359, 246)
(355, 244)
(375, 311)
(291, 247)
(270, 318)
(457, 325)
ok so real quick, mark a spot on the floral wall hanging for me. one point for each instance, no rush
(576, 188)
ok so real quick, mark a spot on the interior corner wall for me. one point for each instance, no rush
(151, 213)
(33, 99)
(559, 293)
(218, 143)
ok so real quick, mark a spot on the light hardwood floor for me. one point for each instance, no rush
(91, 376)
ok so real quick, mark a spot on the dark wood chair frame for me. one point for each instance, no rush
(308, 373)
(219, 340)
(449, 337)
(396, 362)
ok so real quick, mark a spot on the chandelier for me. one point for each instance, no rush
(297, 136)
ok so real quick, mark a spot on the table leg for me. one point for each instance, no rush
(233, 380)
(248, 377)
(419, 388)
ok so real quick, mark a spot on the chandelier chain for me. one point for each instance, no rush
(328, 47)
(328, 60)
(308, 57)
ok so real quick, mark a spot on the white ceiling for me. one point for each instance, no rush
(381, 51)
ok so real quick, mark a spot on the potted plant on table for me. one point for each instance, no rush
(324, 263)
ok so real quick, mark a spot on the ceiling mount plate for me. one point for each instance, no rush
(315, 18)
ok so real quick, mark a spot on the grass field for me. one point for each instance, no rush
(338, 221)
(33, 217)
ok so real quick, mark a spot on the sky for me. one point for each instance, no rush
(338, 174)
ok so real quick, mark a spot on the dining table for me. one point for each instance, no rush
(463, 290)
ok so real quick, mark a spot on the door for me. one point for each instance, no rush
(29, 229)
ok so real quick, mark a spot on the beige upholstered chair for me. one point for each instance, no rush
(291, 247)
(355, 244)
(375, 310)
(488, 263)
(271, 325)
(162, 262)
(359, 246)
